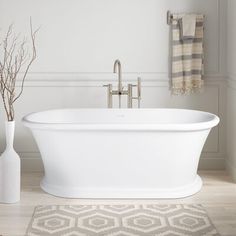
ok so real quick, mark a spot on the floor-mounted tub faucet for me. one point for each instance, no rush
(120, 91)
(117, 69)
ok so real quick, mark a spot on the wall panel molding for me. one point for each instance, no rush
(98, 79)
(211, 159)
(231, 81)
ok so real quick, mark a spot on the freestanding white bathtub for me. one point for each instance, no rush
(121, 153)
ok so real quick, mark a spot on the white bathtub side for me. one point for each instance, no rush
(120, 164)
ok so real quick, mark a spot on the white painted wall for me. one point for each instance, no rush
(78, 43)
(231, 89)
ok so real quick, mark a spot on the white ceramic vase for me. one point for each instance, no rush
(9, 169)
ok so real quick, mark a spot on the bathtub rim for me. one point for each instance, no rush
(196, 126)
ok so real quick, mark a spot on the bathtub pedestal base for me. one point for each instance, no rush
(64, 191)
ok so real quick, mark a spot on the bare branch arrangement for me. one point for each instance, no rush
(15, 63)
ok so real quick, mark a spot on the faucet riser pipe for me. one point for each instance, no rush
(130, 96)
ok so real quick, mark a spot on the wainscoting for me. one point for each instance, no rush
(75, 90)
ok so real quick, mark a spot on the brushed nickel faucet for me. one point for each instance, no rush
(120, 91)
(117, 64)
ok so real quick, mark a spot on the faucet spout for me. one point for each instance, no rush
(117, 69)
(121, 91)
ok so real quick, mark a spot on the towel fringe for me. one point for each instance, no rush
(187, 87)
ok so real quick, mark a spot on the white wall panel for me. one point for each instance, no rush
(88, 35)
(78, 42)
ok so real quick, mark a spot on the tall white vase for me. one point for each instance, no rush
(9, 169)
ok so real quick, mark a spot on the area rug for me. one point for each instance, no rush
(121, 220)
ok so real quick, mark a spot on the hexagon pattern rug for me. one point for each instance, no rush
(121, 220)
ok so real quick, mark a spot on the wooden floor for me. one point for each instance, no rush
(218, 196)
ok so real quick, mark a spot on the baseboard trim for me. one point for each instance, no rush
(231, 169)
(31, 165)
(206, 163)
(209, 163)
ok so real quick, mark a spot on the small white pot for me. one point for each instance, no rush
(9, 169)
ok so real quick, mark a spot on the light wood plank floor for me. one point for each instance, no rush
(218, 196)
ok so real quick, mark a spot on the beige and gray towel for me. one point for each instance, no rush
(187, 54)
(188, 26)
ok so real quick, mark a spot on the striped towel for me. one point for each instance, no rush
(187, 58)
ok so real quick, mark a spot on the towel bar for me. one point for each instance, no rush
(170, 16)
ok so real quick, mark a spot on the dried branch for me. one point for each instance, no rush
(15, 61)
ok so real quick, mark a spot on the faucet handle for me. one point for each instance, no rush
(130, 93)
(108, 86)
(109, 95)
